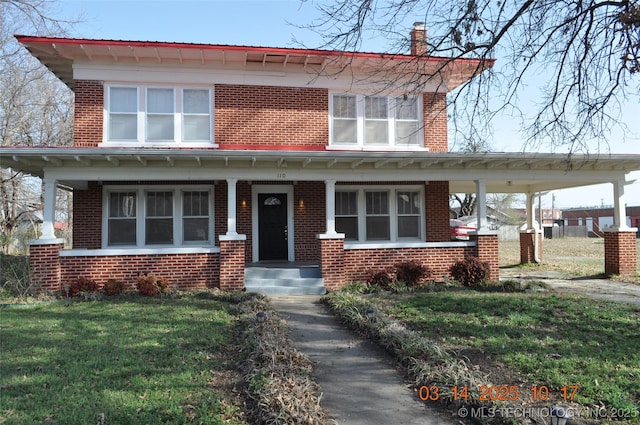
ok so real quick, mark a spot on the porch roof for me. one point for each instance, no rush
(514, 172)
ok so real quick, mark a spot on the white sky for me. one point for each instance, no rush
(271, 23)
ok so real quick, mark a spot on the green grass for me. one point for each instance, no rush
(550, 340)
(128, 360)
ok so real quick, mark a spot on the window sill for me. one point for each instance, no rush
(137, 251)
(168, 145)
(380, 148)
(391, 245)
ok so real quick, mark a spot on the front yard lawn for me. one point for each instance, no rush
(533, 339)
(128, 360)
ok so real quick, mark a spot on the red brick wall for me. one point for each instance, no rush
(332, 263)
(44, 268)
(437, 211)
(309, 219)
(527, 251)
(487, 251)
(190, 271)
(358, 263)
(435, 122)
(264, 117)
(232, 255)
(620, 255)
(87, 217)
(88, 114)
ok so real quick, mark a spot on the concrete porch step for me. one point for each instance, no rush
(287, 280)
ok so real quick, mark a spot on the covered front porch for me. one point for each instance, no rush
(241, 181)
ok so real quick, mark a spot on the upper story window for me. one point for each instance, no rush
(375, 121)
(158, 115)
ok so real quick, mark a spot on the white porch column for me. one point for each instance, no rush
(619, 207)
(481, 199)
(531, 211)
(231, 207)
(330, 208)
(49, 209)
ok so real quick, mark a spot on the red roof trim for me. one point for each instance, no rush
(25, 39)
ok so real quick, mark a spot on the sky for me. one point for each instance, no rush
(284, 23)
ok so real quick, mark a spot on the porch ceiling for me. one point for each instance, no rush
(502, 172)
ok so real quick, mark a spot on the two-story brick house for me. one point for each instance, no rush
(201, 162)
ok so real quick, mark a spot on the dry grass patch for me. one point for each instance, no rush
(573, 256)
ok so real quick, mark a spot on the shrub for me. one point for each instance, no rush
(470, 271)
(113, 287)
(380, 278)
(149, 285)
(82, 284)
(411, 273)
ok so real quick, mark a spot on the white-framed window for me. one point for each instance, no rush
(158, 115)
(347, 214)
(158, 216)
(195, 216)
(370, 214)
(121, 218)
(361, 121)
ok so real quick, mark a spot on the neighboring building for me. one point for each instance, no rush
(202, 162)
(600, 219)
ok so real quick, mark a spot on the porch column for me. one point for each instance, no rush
(330, 206)
(481, 199)
(620, 256)
(486, 239)
(331, 243)
(530, 238)
(49, 209)
(232, 246)
(231, 206)
(619, 206)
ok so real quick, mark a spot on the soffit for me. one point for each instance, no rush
(502, 172)
(59, 55)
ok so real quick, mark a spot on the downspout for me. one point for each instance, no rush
(536, 243)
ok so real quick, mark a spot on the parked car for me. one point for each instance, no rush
(460, 230)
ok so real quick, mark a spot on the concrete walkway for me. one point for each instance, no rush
(359, 382)
(597, 288)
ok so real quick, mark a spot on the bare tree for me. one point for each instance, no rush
(581, 56)
(36, 109)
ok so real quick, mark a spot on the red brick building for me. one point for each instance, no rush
(599, 220)
(205, 163)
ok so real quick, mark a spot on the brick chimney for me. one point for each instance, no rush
(418, 39)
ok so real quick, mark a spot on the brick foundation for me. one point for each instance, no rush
(620, 257)
(332, 262)
(359, 263)
(188, 271)
(527, 247)
(232, 263)
(44, 266)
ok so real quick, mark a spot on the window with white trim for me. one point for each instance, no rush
(195, 216)
(377, 215)
(347, 214)
(366, 214)
(162, 216)
(158, 115)
(359, 121)
(121, 221)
